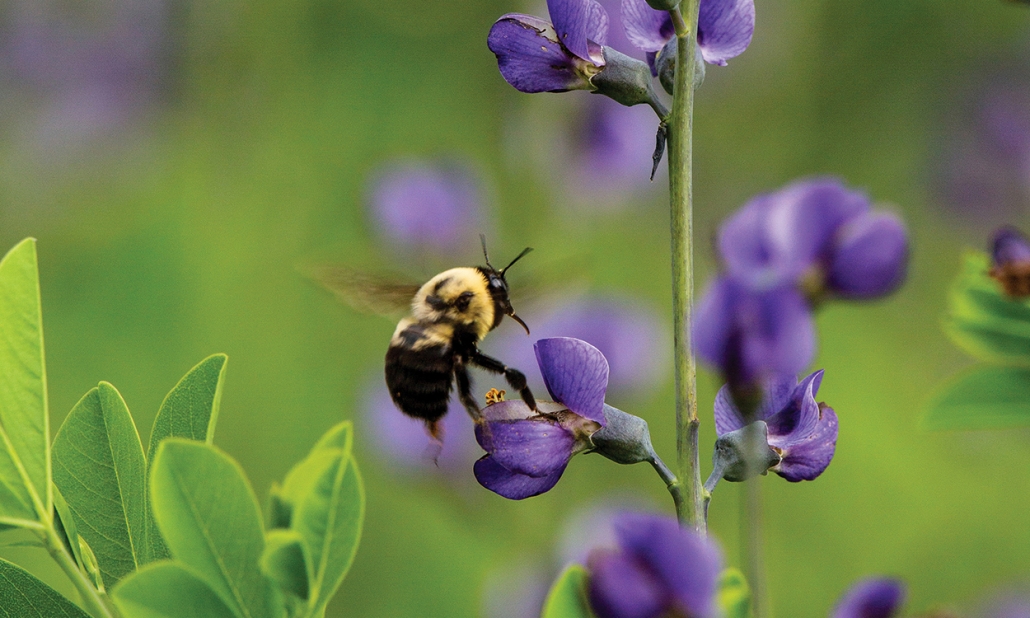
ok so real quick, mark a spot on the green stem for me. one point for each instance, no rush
(672, 484)
(680, 202)
(90, 596)
(753, 558)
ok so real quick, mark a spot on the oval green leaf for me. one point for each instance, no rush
(97, 453)
(24, 425)
(25, 596)
(168, 589)
(734, 595)
(209, 517)
(568, 595)
(285, 562)
(987, 397)
(190, 410)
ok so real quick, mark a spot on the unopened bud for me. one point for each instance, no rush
(624, 439)
(625, 80)
(665, 64)
(744, 453)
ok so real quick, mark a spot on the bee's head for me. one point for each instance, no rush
(497, 285)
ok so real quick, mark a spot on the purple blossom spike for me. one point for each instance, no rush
(527, 451)
(871, 598)
(1011, 262)
(802, 431)
(435, 205)
(535, 56)
(753, 335)
(658, 569)
(724, 28)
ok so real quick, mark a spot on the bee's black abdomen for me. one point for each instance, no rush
(420, 377)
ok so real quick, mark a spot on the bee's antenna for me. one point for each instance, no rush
(482, 239)
(517, 258)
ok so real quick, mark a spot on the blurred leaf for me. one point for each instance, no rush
(24, 426)
(982, 320)
(190, 410)
(734, 594)
(568, 595)
(24, 596)
(100, 470)
(210, 519)
(988, 397)
(285, 563)
(327, 501)
(168, 589)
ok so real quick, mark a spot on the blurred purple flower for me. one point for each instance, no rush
(527, 451)
(724, 28)
(81, 75)
(403, 442)
(1010, 605)
(871, 598)
(817, 233)
(1010, 257)
(425, 204)
(535, 56)
(659, 569)
(753, 335)
(801, 431)
(626, 332)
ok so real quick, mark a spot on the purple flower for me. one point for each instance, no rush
(801, 431)
(659, 569)
(724, 28)
(817, 233)
(536, 56)
(1009, 605)
(753, 334)
(625, 331)
(527, 451)
(423, 204)
(1010, 254)
(871, 598)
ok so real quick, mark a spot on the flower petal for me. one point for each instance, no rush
(620, 587)
(727, 416)
(805, 459)
(775, 238)
(530, 57)
(870, 257)
(798, 416)
(575, 373)
(688, 565)
(647, 29)
(871, 598)
(776, 394)
(724, 28)
(1010, 246)
(511, 485)
(579, 23)
(534, 447)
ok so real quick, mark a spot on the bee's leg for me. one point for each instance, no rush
(461, 376)
(516, 379)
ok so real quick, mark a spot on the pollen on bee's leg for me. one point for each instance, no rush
(494, 396)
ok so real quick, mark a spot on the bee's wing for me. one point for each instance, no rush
(365, 292)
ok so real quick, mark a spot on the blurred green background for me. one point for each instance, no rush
(175, 231)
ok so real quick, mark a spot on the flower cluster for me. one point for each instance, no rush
(782, 254)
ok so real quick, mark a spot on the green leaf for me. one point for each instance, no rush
(190, 410)
(987, 397)
(25, 495)
(734, 595)
(982, 320)
(168, 589)
(568, 595)
(327, 505)
(97, 453)
(64, 523)
(24, 596)
(210, 519)
(285, 563)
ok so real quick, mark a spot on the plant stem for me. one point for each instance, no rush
(90, 595)
(753, 558)
(681, 204)
(672, 484)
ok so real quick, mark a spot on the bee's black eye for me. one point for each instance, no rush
(463, 300)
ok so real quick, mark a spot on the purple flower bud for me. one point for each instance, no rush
(535, 56)
(1011, 262)
(658, 569)
(871, 598)
(724, 27)
(802, 431)
(425, 204)
(869, 256)
(753, 335)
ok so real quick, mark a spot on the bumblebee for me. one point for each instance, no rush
(434, 346)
